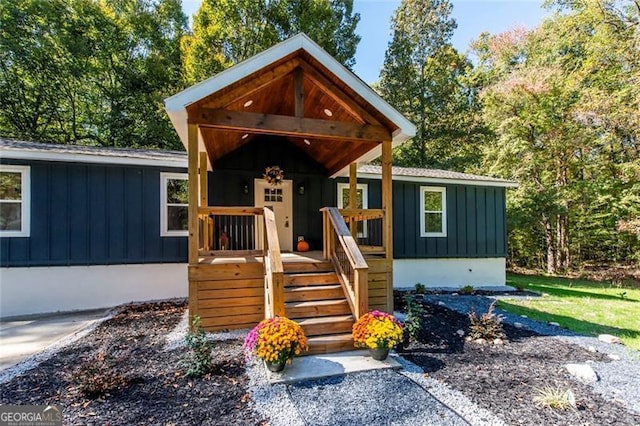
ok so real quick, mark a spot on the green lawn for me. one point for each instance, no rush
(586, 307)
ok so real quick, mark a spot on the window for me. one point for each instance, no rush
(362, 202)
(15, 200)
(273, 195)
(433, 211)
(174, 204)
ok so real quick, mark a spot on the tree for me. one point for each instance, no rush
(226, 32)
(563, 102)
(426, 79)
(89, 72)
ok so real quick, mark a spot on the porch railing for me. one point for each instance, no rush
(341, 248)
(274, 271)
(367, 228)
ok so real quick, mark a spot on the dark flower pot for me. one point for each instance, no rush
(379, 354)
(276, 367)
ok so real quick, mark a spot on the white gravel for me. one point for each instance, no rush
(619, 379)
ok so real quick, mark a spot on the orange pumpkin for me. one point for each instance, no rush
(303, 245)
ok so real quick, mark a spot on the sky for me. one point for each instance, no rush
(473, 17)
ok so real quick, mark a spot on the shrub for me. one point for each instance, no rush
(377, 330)
(420, 288)
(99, 376)
(488, 326)
(199, 361)
(413, 322)
(467, 289)
(276, 340)
(554, 397)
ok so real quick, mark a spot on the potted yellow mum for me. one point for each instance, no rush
(276, 341)
(379, 332)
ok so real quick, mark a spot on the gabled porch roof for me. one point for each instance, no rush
(297, 90)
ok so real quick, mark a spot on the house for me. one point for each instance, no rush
(102, 226)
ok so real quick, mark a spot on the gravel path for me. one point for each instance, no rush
(618, 379)
(385, 397)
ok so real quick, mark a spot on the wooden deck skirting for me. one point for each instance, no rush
(229, 291)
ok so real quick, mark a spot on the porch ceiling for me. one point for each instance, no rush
(295, 95)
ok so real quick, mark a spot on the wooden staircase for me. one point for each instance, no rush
(315, 299)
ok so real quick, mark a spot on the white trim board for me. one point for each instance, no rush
(25, 200)
(38, 290)
(449, 272)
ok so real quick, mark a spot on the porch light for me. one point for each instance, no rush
(248, 103)
(246, 135)
(307, 142)
(245, 188)
(328, 112)
(301, 189)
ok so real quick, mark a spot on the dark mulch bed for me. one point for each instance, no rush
(152, 387)
(503, 378)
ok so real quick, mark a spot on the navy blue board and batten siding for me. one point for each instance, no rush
(476, 226)
(93, 214)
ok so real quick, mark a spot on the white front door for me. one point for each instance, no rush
(279, 199)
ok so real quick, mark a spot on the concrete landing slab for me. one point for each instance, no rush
(328, 365)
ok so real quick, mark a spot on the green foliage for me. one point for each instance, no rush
(89, 72)
(99, 376)
(415, 313)
(420, 288)
(467, 289)
(488, 326)
(200, 360)
(426, 79)
(226, 32)
(554, 397)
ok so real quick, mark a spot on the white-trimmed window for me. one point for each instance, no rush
(362, 202)
(15, 201)
(433, 211)
(174, 205)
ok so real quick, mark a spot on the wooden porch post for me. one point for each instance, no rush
(204, 201)
(387, 206)
(193, 194)
(353, 195)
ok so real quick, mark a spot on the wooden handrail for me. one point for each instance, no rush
(352, 269)
(274, 271)
(362, 214)
(230, 211)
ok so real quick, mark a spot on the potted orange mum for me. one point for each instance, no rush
(379, 332)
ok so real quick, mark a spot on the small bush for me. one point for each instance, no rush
(415, 312)
(554, 397)
(488, 326)
(420, 288)
(99, 376)
(467, 289)
(199, 361)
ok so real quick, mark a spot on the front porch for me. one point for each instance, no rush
(295, 107)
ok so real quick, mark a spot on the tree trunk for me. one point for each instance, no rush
(551, 251)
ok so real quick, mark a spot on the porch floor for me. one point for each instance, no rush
(287, 257)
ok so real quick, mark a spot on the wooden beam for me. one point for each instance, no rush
(204, 202)
(284, 125)
(193, 193)
(337, 94)
(353, 195)
(298, 90)
(387, 206)
(247, 86)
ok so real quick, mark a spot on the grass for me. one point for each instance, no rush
(586, 307)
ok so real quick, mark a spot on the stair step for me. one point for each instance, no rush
(330, 343)
(326, 325)
(298, 267)
(318, 292)
(311, 278)
(317, 308)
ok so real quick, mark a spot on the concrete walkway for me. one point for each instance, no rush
(22, 337)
